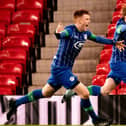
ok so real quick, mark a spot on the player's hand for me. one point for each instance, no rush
(67, 96)
(120, 45)
(59, 28)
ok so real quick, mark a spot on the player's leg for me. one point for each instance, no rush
(46, 91)
(70, 81)
(111, 82)
(93, 90)
(116, 75)
(108, 86)
(83, 92)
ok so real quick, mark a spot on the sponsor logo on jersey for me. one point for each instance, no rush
(79, 45)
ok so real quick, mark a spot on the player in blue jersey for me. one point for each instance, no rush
(118, 60)
(117, 63)
(72, 38)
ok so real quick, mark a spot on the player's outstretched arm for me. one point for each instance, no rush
(100, 39)
(119, 44)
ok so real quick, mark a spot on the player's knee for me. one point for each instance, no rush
(85, 95)
(48, 91)
(105, 91)
(47, 95)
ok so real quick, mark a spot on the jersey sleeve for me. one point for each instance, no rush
(121, 28)
(67, 32)
(100, 39)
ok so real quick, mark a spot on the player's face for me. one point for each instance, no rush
(84, 21)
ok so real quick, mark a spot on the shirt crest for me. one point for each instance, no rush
(85, 36)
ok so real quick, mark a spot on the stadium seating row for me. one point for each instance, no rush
(21, 22)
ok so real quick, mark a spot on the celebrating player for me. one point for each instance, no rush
(117, 63)
(72, 38)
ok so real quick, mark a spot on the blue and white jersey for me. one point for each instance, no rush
(119, 34)
(71, 43)
(69, 47)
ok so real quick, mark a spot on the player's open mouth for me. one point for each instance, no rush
(86, 25)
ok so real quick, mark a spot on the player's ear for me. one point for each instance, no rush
(75, 20)
(79, 20)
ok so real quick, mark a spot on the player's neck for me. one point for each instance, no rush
(78, 27)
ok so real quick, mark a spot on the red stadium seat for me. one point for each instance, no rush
(106, 46)
(102, 69)
(118, 1)
(113, 92)
(31, 5)
(121, 91)
(116, 16)
(25, 29)
(7, 5)
(41, 7)
(17, 42)
(8, 81)
(105, 55)
(5, 17)
(111, 30)
(0, 42)
(99, 80)
(6, 91)
(2, 31)
(15, 56)
(26, 16)
(123, 84)
(120, 4)
(12, 69)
